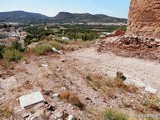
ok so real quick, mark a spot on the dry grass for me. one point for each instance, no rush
(97, 81)
(28, 53)
(106, 114)
(5, 64)
(152, 102)
(5, 113)
(73, 67)
(109, 93)
(129, 88)
(27, 85)
(21, 69)
(17, 89)
(72, 98)
(75, 45)
(94, 76)
(94, 113)
(1, 62)
(39, 84)
(127, 103)
(45, 115)
(113, 114)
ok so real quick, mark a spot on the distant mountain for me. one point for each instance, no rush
(29, 17)
(86, 17)
(22, 16)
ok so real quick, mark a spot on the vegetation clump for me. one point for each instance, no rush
(11, 55)
(5, 113)
(98, 82)
(113, 114)
(56, 45)
(13, 52)
(72, 98)
(152, 102)
(42, 48)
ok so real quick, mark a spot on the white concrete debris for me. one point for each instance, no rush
(57, 115)
(157, 40)
(44, 65)
(8, 83)
(65, 38)
(150, 89)
(70, 117)
(55, 95)
(30, 99)
(137, 82)
(56, 51)
(32, 117)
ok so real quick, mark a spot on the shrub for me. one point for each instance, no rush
(112, 114)
(16, 45)
(57, 45)
(42, 49)
(1, 50)
(61, 41)
(11, 55)
(97, 81)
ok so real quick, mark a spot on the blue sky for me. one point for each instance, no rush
(117, 8)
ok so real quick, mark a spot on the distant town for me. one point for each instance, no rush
(11, 31)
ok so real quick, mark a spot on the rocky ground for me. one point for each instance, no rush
(78, 83)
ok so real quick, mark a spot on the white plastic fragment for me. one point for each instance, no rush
(30, 99)
(150, 89)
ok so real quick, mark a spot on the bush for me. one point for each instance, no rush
(111, 114)
(61, 41)
(57, 45)
(16, 45)
(11, 55)
(1, 50)
(42, 49)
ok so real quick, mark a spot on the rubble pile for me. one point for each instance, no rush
(139, 47)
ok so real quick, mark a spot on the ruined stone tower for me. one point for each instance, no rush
(144, 18)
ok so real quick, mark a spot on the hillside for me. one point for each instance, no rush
(85, 17)
(29, 17)
(79, 82)
(22, 16)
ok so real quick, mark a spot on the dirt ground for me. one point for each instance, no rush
(52, 74)
(147, 72)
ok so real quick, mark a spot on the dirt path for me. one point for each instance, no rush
(141, 72)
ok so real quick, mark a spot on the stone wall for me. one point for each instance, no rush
(144, 18)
